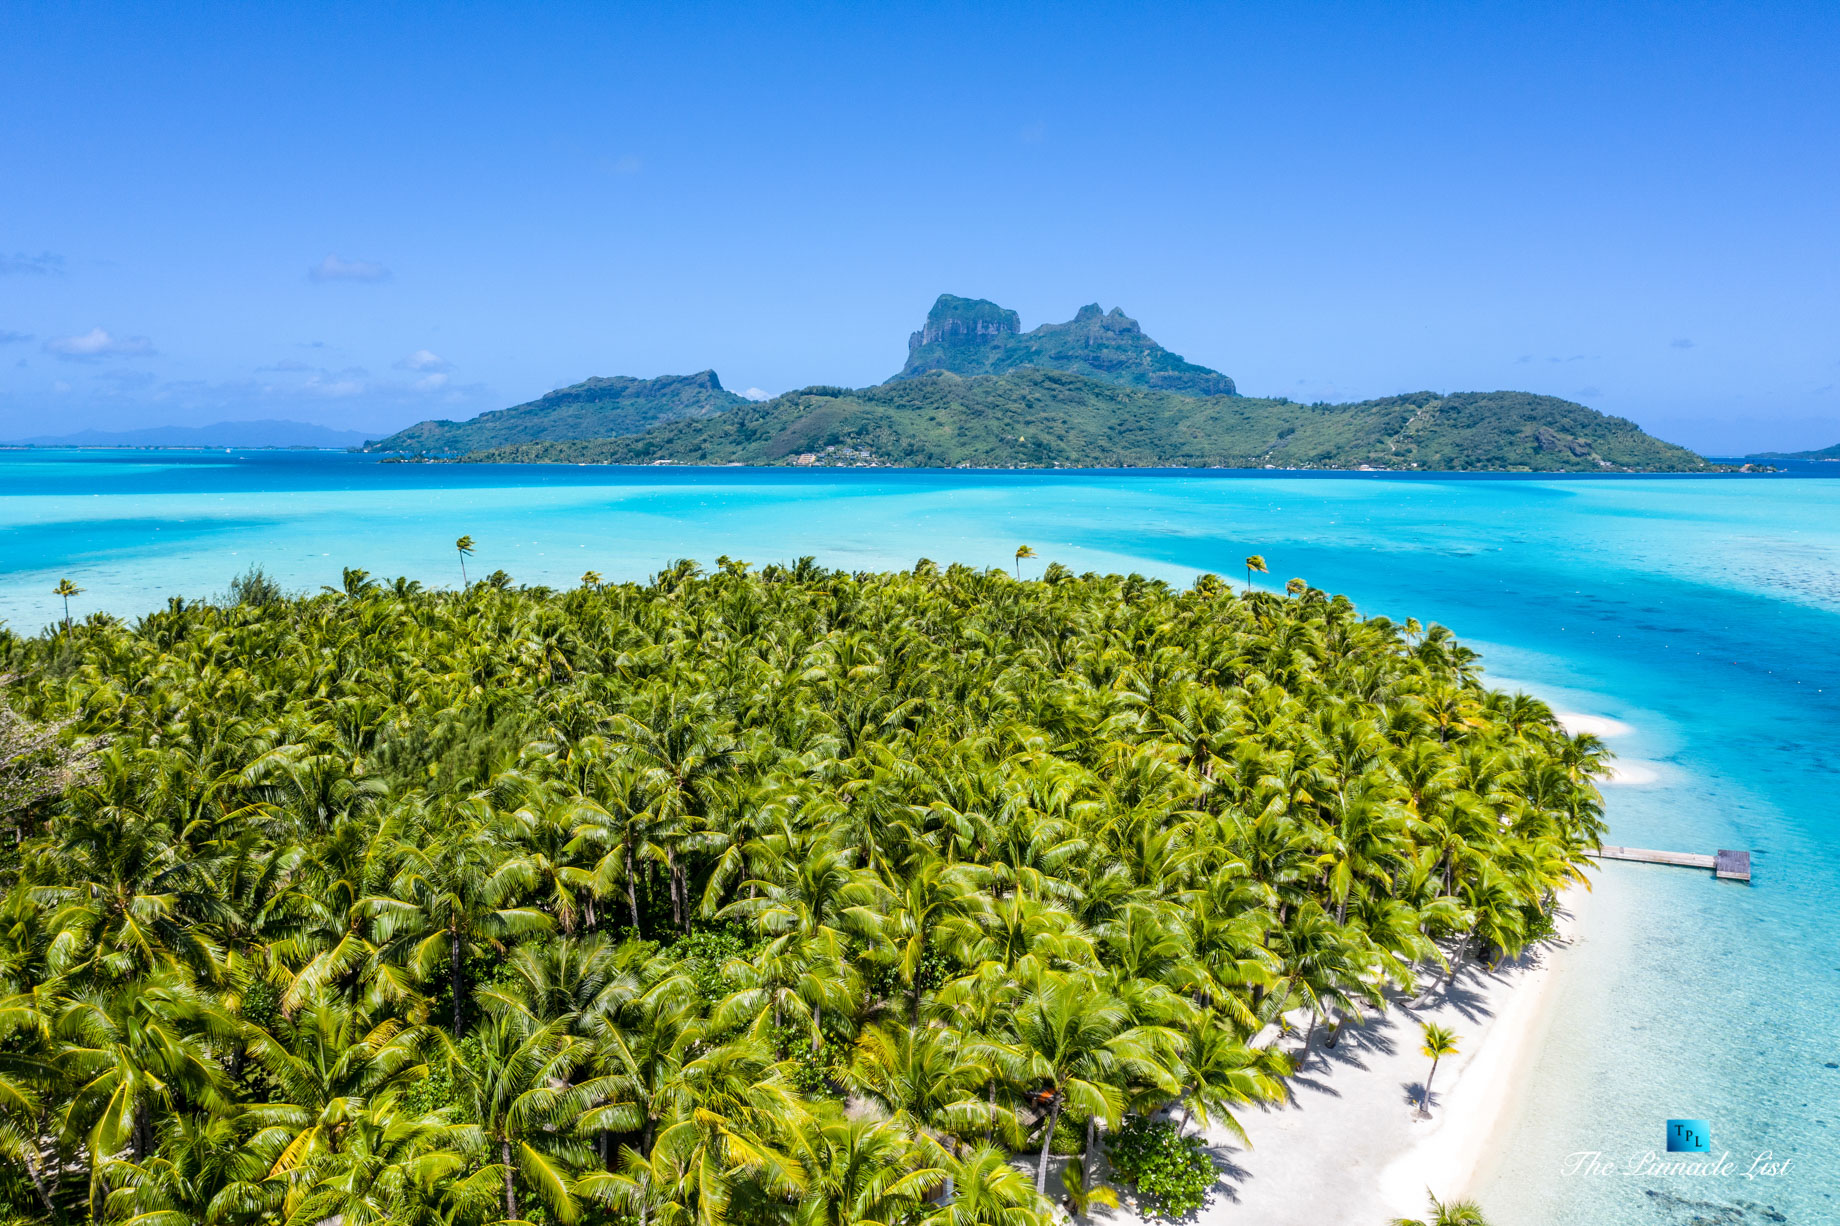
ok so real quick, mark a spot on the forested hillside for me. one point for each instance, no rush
(595, 408)
(392, 905)
(1040, 418)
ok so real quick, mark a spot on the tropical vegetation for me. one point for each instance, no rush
(1037, 418)
(1170, 1169)
(593, 408)
(780, 898)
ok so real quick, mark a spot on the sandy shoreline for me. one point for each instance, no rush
(1347, 1149)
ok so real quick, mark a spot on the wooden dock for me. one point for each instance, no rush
(1726, 865)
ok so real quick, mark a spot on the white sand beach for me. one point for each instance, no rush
(1621, 772)
(1347, 1149)
(1600, 726)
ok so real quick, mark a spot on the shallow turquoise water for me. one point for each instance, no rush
(1704, 613)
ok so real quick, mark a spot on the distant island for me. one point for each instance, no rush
(1094, 392)
(1825, 453)
(250, 434)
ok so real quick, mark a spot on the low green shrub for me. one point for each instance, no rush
(1172, 1173)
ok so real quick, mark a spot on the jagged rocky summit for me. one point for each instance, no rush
(974, 336)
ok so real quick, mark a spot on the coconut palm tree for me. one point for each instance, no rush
(1254, 563)
(862, 1173)
(1447, 1213)
(987, 1191)
(1439, 1041)
(924, 1078)
(387, 1167)
(448, 901)
(1082, 1045)
(1218, 1072)
(465, 547)
(732, 1121)
(518, 1082)
(66, 589)
(1023, 551)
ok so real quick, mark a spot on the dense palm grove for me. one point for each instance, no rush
(779, 897)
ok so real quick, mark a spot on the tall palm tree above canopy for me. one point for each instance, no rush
(66, 589)
(464, 547)
(1255, 562)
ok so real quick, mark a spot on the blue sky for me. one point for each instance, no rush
(367, 215)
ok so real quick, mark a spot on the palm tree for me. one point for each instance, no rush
(447, 901)
(921, 1077)
(1218, 1072)
(1254, 563)
(66, 589)
(134, 1054)
(1023, 551)
(987, 1191)
(731, 1119)
(862, 1172)
(1439, 1042)
(1081, 1195)
(387, 1167)
(1447, 1213)
(517, 1082)
(1083, 1047)
(465, 546)
(1325, 968)
(934, 903)
(591, 578)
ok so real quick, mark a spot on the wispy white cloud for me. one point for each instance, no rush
(337, 385)
(97, 344)
(335, 268)
(19, 264)
(425, 360)
(754, 393)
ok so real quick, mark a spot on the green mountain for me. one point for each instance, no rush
(973, 336)
(598, 408)
(1825, 453)
(1032, 417)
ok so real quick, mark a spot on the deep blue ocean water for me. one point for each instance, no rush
(1702, 613)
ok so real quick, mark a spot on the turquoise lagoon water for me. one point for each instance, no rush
(1702, 613)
